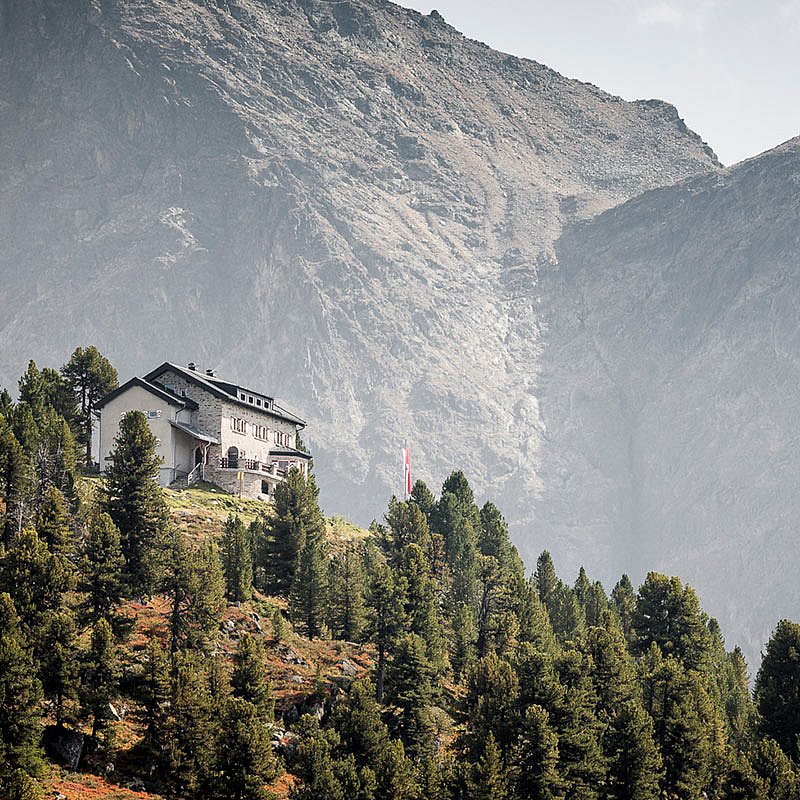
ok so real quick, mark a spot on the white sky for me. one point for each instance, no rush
(732, 67)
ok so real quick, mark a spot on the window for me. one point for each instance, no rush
(282, 439)
(264, 487)
(238, 425)
(154, 414)
(258, 401)
(261, 432)
(250, 399)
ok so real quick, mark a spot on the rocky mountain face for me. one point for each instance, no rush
(669, 389)
(385, 224)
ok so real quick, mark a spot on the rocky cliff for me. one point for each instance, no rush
(669, 389)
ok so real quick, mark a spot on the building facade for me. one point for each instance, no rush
(208, 429)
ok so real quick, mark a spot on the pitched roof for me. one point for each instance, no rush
(159, 391)
(224, 390)
(196, 433)
(289, 451)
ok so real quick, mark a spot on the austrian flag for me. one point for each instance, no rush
(407, 470)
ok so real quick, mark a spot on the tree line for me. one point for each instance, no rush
(486, 682)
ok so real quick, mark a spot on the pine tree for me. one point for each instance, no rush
(20, 693)
(308, 599)
(249, 679)
(545, 578)
(463, 650)
(777, 688)
(409, 688)
(406, 524)
(192, 731)
(669, 615)
(134, 501)
(297, 516)
(58, 665)
(346, 581)
(244, 753)
(535, 775)
(387, 618)
(36, 579)
(32, 390)
(492, 704)
(682, 718)
(424, 498)
(487, 781)
(100, 679)
(194, 583)
(458, 519)
(156, 696)
(101, 573)
(775, 770)
(237, 561)
(91, 377)
(53, 462)
(314, 763)
(14, 483)
(53, 523)
(623, 600)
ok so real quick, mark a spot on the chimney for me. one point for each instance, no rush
(192, 366)
(210, 373)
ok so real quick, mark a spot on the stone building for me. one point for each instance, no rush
(208, 429)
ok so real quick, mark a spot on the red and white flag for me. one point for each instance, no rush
(407, 471)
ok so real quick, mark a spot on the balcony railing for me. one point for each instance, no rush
(252, 465)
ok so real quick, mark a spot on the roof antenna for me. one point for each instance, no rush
(192, 366)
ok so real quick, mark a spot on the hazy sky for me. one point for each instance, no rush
(732, 67)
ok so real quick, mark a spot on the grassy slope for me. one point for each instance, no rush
(296, 666)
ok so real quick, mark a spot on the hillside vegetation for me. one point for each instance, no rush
(190, 644)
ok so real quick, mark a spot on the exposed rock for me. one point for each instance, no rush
(64, 746)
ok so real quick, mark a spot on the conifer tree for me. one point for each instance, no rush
(156, 696)
(101, 573)
(409, 687)
(20, 693)
(100, 679)
(194, 583)
(776, 771)
(545, 578)
(492, 704)
(387, 617)
(682, 718)
(134, 501)
(192, 733)
(296, 516)
(249, 679)
(668, 614)
(623, 600)
(308, 598)
(346, 581)
(245, 761)
(458, 519)
(777, 689)
(59, 663)
(91, 377)
(237, 560)
(406, 524)
(314, 763)
(32, 390)
(463, 650)
(424, 498)
(53, 462)
(14, 483)
(53, 523)
(535, 775)
(487, 781)
(36, 579)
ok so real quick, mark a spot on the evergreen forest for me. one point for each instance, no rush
(166, 644)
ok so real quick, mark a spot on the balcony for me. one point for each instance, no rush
(251, 465)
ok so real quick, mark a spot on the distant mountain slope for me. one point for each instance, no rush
(345, 203)
(669, 391)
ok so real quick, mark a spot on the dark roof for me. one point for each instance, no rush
(224, 390)
(170, 397)
(289, 451)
